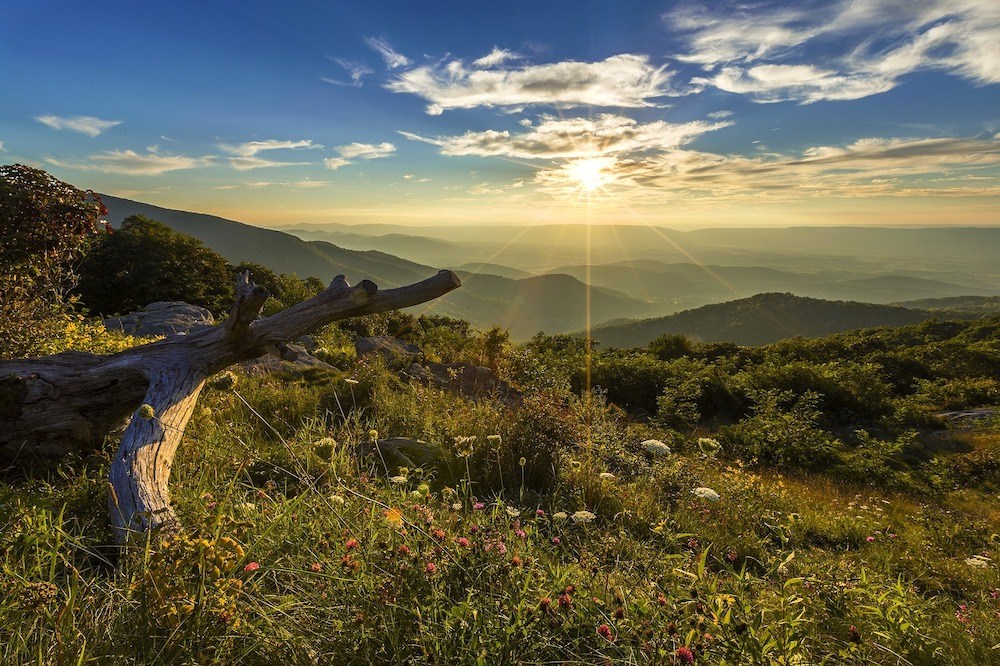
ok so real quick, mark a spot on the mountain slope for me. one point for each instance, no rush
(761, 319)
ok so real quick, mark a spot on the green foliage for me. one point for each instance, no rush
(146, 261)
(45, 225)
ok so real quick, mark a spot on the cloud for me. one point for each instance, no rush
(846, 49)
(366, 151)
(569, 138)
(130, 163)
(245, 154)
(495, 57)
(334, 163)
(356, 70)
(413, 179)
(867, 167)
(392, 59)
(2, 149)
(83, 124)
(625, 80)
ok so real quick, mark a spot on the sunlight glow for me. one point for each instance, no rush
(591, 173)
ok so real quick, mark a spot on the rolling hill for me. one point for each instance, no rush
(761, 319)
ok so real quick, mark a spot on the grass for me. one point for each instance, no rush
(296, 550)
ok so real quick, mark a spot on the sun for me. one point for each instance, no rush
(591, 173)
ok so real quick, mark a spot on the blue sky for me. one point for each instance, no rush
(681, 114)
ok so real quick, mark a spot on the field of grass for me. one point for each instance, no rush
(554, 536)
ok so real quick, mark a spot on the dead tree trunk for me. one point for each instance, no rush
(55, 404)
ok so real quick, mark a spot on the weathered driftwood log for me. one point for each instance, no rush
(55, 404)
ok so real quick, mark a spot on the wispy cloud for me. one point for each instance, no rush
(88, 125)
(245, 154)
(2, 149)
(569, 138)
(495, 57)
(392, 59)
(839, 50)
(131, 163)
(334, 163)
(625, 80)
(366, 151)
(356, 70)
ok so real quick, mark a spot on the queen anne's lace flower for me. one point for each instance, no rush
(706, 494)
(583, 517)
(656, 448)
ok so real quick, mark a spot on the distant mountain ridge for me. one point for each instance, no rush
(762, 319)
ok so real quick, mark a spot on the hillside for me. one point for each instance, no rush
(759, 320)
(965, 304)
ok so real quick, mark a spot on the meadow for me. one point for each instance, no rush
(789, 504)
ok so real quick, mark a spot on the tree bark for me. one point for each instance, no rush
(56, 404)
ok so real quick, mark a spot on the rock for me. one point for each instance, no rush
(967, 417)
(297, 354)
(289, 356)
(162, 318)
(395, 352)
(390, 454)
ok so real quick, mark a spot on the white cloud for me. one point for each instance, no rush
(570, 138)
(495, 57)
(245, 154)
(334, 163)
(357, 71)
(625, 80)
(88, 125)
(130, 163)
(392, 59)
(2, 149)
(866, 46)
(366, 151)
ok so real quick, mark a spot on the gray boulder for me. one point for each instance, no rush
(162, 318)
(394, 352)
(472, 381)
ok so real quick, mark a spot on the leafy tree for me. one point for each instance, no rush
(45, 225)
(147, 261)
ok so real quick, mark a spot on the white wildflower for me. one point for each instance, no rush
(583, 517)
(512, 512)
(978, 561)
(397, 479)
(656, 448)
(706, 494)
(338, 500)
(559, 515)
(457, 506)
(709, 446)
(606, 476)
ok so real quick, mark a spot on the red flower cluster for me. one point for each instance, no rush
(604, 631)
(684, 655)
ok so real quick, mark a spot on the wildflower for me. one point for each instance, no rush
(457, 506)
(325, 441)
(709, 446)
(521, 534)
(251, 566)
(870, 539)
(978, 561)
(522, 461)
(559, 515)
(146, 412)
(661, 599)
(478, 506)
(315, 567)
(706, 494)
(512, 512)
(404, 550)
(684, 655)
(606, 476)
(431, 567)
(373, 435)
(352, 382)
(556, 540)
(655, 448)
(516, 561)
(394, 517)
(544, 604)
(462, 541)
(565, 601)
(693, 543)
(351, 544)
(438, 533)
(494, 438)
(463, 446)
(853, 634)
(604, 631)
(424, 489)
(397, 479)
(583, 517)
(338, 500)
(539, 513)
(501, 548)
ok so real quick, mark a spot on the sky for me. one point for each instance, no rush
(680, 114)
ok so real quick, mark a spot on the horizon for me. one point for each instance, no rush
(683, 116)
